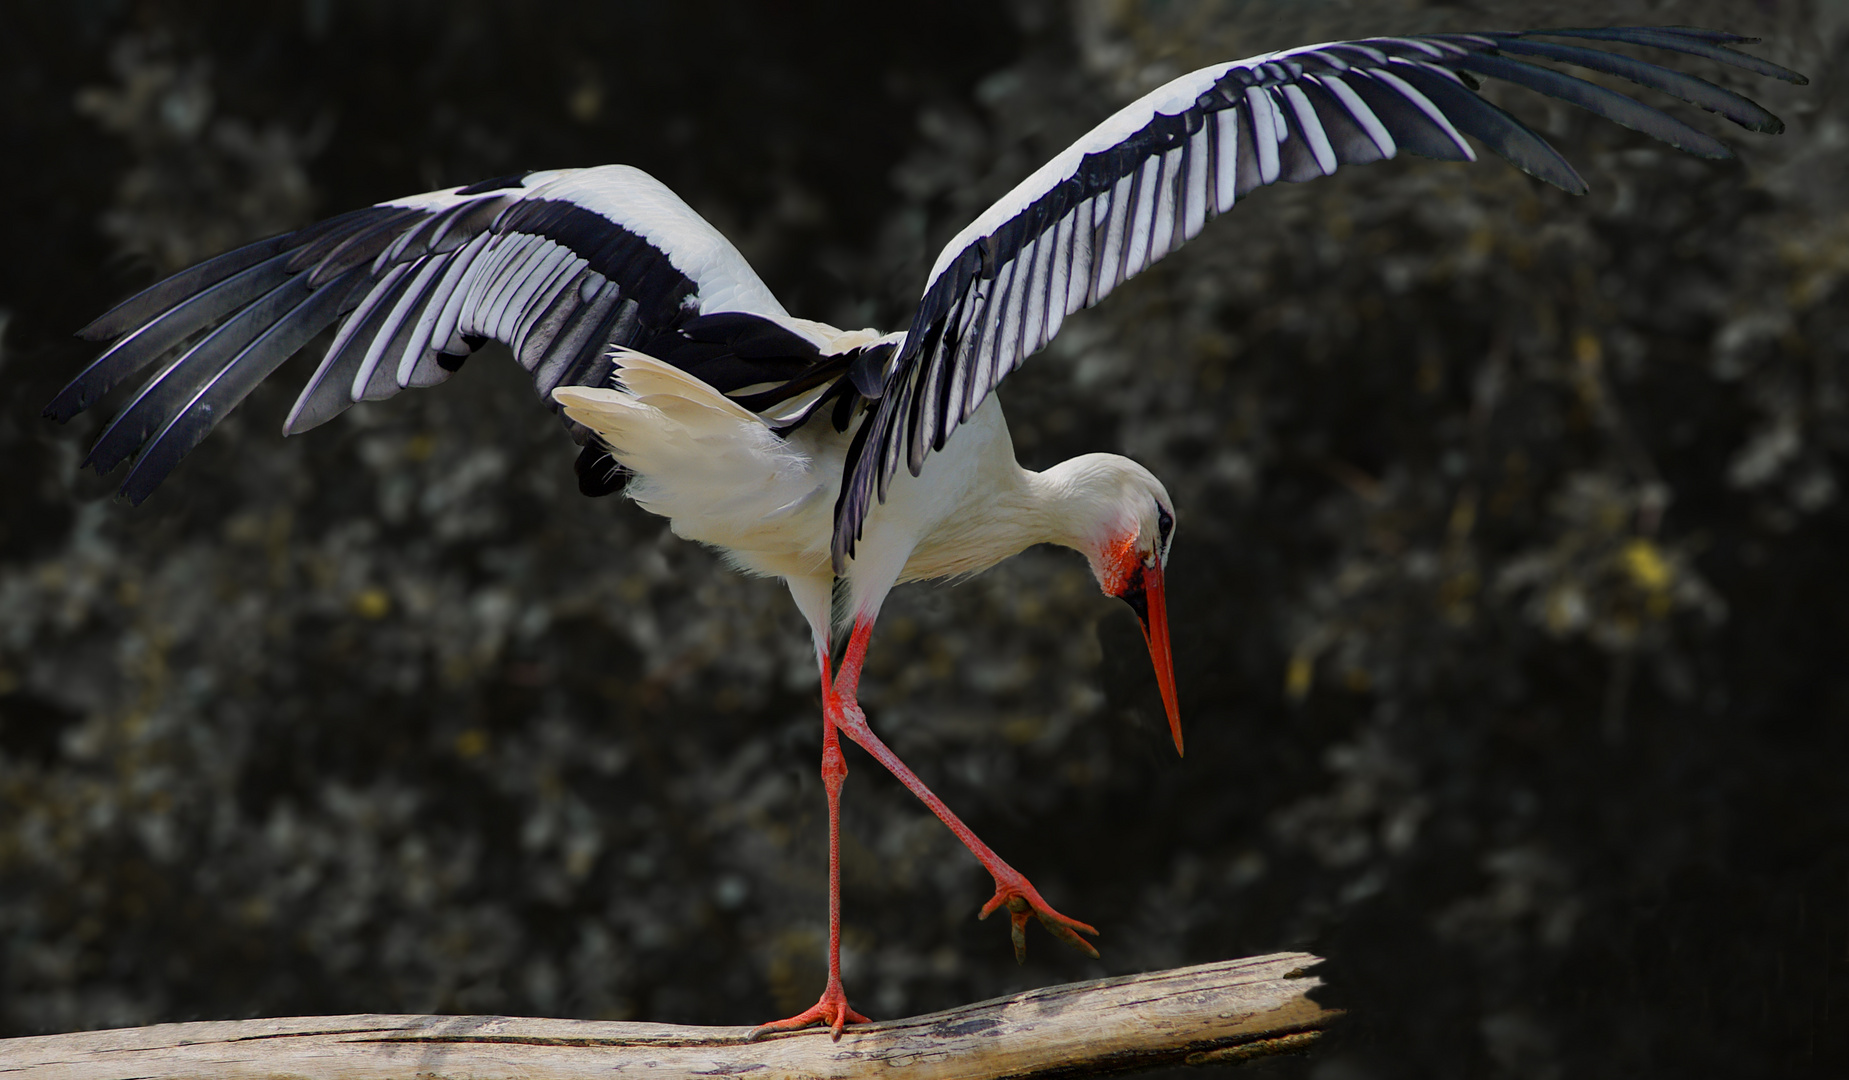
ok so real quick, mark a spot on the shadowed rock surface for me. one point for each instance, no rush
(1508, 594)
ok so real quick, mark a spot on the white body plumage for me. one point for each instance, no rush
(723, 478)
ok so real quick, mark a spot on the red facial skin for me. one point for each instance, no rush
(1118, 565)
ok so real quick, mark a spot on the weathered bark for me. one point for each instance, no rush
(1213, 1013)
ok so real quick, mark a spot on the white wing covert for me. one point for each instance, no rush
(1150, 177)
(557, 265)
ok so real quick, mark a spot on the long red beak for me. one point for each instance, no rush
(1151, 604)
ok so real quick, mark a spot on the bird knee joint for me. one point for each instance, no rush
(853, 721)
(834, 770)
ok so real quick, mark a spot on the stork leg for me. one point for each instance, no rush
(1012, 889)
(832, 1009)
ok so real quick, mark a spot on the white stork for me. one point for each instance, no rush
(777, 440)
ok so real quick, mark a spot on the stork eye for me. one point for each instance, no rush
(1165, 525)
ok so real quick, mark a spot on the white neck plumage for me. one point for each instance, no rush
(1106, 507)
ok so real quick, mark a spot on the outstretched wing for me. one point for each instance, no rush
(1150, 177)
(557, 265)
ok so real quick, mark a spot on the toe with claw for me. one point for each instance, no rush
(1022, 899)
(832, 1010)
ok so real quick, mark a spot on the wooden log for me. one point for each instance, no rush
(1213, 1013)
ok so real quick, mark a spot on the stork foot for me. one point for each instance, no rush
(1014, 892)
(832, 1010)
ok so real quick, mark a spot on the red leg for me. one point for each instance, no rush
(1012, 889)
(832, 1009)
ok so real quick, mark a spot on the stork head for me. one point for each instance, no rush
(1123, 522)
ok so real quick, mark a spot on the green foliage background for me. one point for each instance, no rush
(1509, 595)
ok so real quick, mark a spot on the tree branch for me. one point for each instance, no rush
(1214, 1013)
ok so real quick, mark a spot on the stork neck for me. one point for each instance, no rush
(1079, 502)
(1012, 510)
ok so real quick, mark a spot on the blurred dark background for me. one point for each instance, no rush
(1509, 595)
